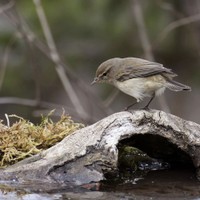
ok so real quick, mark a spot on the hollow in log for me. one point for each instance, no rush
(90, 153)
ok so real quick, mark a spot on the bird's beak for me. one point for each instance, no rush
(94, 81)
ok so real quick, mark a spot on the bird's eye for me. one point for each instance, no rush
(104, 74)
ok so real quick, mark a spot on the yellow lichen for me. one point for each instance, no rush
(24, 139)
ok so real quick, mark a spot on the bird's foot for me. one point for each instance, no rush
(128, 107)
(146, 108)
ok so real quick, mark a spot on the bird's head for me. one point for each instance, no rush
(105, 72)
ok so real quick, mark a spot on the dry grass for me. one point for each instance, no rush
(24, 139)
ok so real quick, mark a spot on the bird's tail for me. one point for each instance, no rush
(176, 86)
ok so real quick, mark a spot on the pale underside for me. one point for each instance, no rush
(140, 88)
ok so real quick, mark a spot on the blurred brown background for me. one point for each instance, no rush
(36, 77)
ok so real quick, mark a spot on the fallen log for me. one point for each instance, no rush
(90, 153)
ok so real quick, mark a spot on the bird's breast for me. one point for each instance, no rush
(140, 88)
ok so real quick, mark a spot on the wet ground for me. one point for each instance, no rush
(158, 185)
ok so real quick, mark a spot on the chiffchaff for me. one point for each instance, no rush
(137, 77)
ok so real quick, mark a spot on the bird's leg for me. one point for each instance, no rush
(127, 108)
(147, 106)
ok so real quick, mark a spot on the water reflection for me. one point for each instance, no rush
(158, 185)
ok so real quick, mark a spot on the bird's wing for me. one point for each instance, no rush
(143, 70)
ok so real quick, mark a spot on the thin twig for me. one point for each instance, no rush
(7, 6)
(55, 56)
(48, 106)
(176, 24)
(146, 45)
(5, 60)
(25, 32)
(111, 98)
(137, 10)
(30, 102)
(7, 120)
(4, 8)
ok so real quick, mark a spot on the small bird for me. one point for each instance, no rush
(138, 78)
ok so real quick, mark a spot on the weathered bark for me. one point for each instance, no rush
(87, 154)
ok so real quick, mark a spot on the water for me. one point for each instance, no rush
(156, 185)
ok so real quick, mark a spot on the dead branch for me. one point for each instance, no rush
(25, 32)
(56, 58)
(176, 24)
(146, 45)
(90, 153)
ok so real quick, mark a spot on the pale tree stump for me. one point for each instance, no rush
(88, 154)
